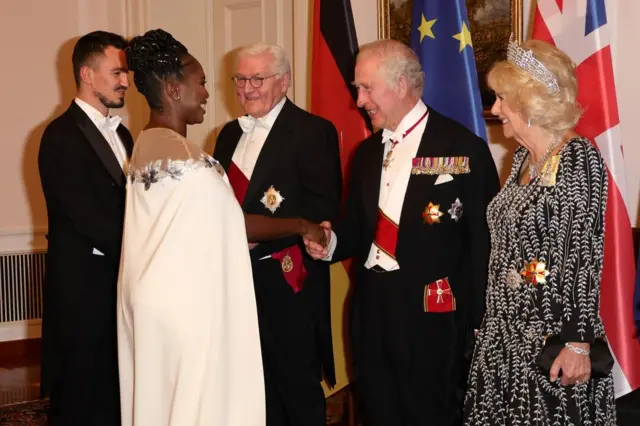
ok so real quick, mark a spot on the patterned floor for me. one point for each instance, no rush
(20, 404)
(32, 413)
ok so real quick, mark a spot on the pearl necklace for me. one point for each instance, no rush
(534, 169)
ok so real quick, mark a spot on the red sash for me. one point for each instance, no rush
(292, 266)
(386, 234)
(238, 181)
(290, 258)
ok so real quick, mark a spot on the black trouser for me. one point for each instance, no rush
(87, 393)
(407, 362)
(294, 396)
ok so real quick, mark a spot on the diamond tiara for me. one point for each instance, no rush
(525, 60)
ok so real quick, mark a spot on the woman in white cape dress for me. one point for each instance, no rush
(189, 348)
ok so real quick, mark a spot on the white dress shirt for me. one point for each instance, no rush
(110, 134)
(395, 178)
(251, 143)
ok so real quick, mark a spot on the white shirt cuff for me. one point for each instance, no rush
(332, 246)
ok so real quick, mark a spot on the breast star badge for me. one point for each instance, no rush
(535, 272)
(456, 210)
(432, 213)
(272, 199)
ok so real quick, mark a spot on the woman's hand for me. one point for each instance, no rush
(576, 368)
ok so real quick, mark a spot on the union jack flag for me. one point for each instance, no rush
(583, 30)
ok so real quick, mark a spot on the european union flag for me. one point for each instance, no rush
(440, 36)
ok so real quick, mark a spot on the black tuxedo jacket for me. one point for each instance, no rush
(425, 253)
(84, 188)
(300, 159)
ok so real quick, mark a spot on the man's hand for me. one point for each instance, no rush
(313, 233)
(319, 249)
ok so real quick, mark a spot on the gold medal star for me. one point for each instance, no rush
(464, 36)
(432, 213)
(425, 28)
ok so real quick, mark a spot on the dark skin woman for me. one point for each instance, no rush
(178, 100)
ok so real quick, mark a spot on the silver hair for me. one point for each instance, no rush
(281, 65)
(396, 60)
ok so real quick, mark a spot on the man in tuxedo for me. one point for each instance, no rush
(82, 157)
(415, 225)
(284, 162)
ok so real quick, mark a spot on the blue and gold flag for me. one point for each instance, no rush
(440, 36)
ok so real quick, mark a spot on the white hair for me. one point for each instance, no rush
(396, 60)
(281, 65)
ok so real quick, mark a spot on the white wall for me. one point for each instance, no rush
(38, 86)
(38, 39)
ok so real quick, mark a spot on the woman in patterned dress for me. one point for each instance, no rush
(547, 237)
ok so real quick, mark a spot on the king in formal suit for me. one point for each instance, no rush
(284, 166)
(81, 160)
(415, 226)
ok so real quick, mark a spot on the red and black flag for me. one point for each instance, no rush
(335, 46)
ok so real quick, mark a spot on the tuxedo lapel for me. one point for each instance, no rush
(270, 153)
(126, 139)
(99, 143)
(371, 180)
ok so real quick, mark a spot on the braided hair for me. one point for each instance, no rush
(153, 58)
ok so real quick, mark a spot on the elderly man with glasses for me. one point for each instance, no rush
(284, 166)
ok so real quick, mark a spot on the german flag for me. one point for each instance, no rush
(335, 46)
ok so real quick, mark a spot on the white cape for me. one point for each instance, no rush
(189, 346)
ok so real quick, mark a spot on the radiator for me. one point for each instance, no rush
(18, 394)
(21, 279)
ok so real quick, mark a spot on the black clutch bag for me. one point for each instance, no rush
(601, 359)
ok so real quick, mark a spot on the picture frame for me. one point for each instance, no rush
(491, 23)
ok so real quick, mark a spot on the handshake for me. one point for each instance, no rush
(316, 239)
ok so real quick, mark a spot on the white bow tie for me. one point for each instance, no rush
(388, 135)
(110, 123)
(247, 123)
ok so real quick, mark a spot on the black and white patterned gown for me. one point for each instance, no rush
(547, 241)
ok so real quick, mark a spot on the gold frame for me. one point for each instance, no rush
(384, 30)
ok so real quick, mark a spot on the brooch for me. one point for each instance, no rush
(514, 279)
(549, 171)
(535, 272)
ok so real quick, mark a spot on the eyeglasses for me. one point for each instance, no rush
(256, 82)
